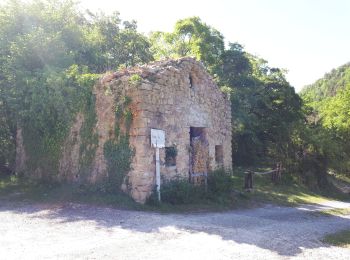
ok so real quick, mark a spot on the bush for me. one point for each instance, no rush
(177, 191)
(135, 79)
(313, 170)
(220, 182)
(181, 191)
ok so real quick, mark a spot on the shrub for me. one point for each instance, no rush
(313, 170)
(135, 79)
(181, 191)
(177, 191)
(219, 182)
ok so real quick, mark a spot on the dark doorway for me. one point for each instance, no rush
(199, 155)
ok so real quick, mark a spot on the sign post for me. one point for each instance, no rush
(158, 173)
(158, 141)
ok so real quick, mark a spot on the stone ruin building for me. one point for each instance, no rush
(176, 96)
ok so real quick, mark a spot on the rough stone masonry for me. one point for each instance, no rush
(177, 96)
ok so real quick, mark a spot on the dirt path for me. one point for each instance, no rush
(77, 231)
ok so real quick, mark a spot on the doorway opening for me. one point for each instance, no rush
(199, 155)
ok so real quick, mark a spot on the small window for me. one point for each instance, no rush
(219, 155)
(191, 80)
(170, 156)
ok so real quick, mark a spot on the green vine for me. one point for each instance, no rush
(117, 151)
(89, 138)
(47, 123)
(118, 155)
(43, 150)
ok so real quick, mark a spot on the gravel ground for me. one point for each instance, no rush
(74, 231)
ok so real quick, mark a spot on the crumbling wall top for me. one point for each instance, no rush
(154, 68)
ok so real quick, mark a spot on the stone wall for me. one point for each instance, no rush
(69, 162)
(172, 95)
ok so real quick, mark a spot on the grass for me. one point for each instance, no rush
(19, 189)
(334, 212)
(287, 193)
(23, 190)
(341, 239)
(342, 177)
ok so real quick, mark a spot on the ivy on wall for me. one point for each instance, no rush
(117, 150)
(89, 138)
(45, 131)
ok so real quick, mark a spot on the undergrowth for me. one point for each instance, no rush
(47, 122)
(179, 191)
(225, 191)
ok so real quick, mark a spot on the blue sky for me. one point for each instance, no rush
(306, 37)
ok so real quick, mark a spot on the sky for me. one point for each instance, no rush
(306, 37)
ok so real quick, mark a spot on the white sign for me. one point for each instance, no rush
(157, 138)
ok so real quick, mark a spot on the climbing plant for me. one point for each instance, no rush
(45, 130)
(89, 138)
(117, 150)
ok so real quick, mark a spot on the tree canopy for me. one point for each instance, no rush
(50, 53)
(328, 104)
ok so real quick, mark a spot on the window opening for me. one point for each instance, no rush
(219, 154)
(191, 81)
(170, 156)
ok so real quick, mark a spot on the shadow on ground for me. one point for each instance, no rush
(284, 230)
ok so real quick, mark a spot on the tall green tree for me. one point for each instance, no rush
(265, 107)
(327, 101)
(191, 37)
(49, 51)
(265, 111)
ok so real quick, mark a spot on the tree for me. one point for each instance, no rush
(265, 111)
(112, 43)
(264, 106)
(191, 37)
(328, 103)
(49, 54)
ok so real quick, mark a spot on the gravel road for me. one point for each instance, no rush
(74, 231)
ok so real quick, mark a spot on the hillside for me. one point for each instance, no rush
(329, 85)
(327, 104)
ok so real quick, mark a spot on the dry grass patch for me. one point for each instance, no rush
(334, 212)
(341, 239)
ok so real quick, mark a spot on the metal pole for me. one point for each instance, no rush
(158, 173)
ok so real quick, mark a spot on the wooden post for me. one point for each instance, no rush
(276, 174)
(279, 171)
(248, 180)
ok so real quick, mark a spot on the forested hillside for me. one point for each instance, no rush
(328, 105)
(329, 85)
(51, 55)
